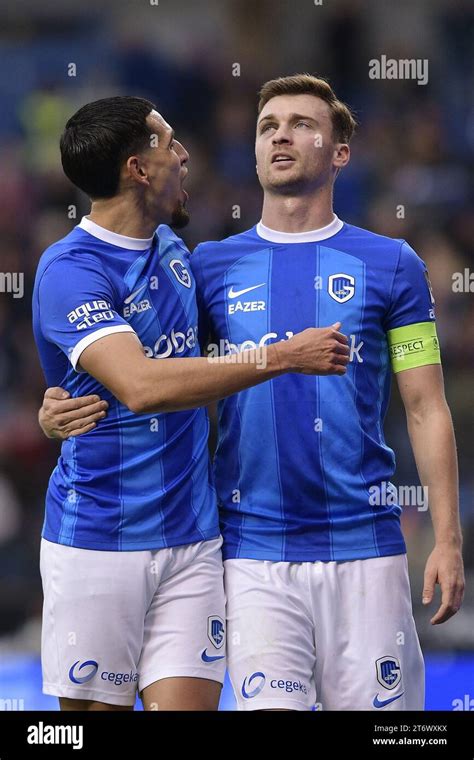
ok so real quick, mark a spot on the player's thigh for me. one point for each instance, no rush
(182, 694)
(84, 705)
(270, 644)
(368, 652)
(183, 654)
(93, 617)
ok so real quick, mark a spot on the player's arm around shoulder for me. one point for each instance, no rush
(147, 385)
(432, 438)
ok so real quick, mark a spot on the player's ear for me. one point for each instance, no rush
(136, 169)
(342, 155)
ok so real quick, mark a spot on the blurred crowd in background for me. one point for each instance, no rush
(411, 176)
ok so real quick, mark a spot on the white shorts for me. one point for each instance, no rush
(323, 635)
(115, 622)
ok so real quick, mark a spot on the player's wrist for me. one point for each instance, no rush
(451, 540)
(282, 357)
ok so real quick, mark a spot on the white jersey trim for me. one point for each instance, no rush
(122, 241)
(311, 236)
(89, 339)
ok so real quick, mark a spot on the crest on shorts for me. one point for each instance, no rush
(389, 673)
(341, 286)
(215, 630)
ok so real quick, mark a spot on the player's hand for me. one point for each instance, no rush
(63, 417)
(444, 566)
(320, 351)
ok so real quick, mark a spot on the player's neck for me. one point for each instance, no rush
(285, 213)
(119, 216)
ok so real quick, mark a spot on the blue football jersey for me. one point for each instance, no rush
(298, 457)
(135, 481)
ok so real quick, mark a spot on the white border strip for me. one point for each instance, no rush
(122, 241)
(92, 337)
(311, 236)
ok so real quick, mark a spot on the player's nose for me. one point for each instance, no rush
(182, 152)
(282, 135)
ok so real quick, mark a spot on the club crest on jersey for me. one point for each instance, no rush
(389, 673)
(215, 630)
(341, 287)
(180, 272)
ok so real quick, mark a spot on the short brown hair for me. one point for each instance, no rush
(343, 121)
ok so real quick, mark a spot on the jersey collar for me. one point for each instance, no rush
(311, 236)
(132, 244)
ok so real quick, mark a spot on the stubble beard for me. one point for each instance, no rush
(179, 217)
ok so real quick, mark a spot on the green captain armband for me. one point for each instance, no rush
(413, 346)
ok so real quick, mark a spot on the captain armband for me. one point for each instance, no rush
(413, 346)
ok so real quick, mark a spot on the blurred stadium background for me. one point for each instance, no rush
(414, 148)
